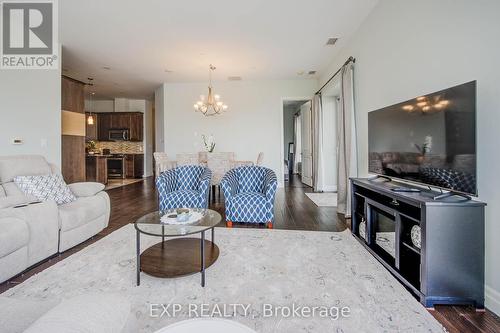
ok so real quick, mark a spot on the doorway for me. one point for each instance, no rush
(297, 140)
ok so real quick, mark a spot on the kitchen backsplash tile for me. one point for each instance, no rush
(121, 147)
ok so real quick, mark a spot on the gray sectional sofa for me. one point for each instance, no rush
(31, 232)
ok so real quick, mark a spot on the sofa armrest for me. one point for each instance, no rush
(15, 201)
(205, 179)
(86, 189)
(270, 185)
(166, 182)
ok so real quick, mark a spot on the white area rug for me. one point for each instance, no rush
(255, 267)
(325, 199)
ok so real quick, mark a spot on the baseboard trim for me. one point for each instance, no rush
(492, 299)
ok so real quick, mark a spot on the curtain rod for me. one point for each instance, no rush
(350, 59)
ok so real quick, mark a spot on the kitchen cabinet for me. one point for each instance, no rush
(120, 120)
(136, 126)
(134, 165)
(103, 126)
(133, 121)
(96, 169)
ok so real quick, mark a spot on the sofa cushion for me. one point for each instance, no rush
(87, 189)
(46, 187)
(22, 165)
(85, 314)
(14, 233)
(81, 211)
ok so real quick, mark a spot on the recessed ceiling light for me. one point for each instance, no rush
(234, 78)
(311, 72)
(331, 41)
(300, 73)
(168, 71)
(106, 68)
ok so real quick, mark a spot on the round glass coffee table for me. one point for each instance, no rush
(179, 256)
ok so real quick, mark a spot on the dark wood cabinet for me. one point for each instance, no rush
(136, 127)
(129, 166)
(120, 120)
(72, 129)
(133, 121)
(97, 169)
(134, 165)
(103, 125)
(138, 165)
(428, 245)
(72, 95)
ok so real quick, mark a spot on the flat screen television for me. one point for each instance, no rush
(430, 139)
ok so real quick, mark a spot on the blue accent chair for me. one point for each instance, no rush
(249, 192)
(184, 186)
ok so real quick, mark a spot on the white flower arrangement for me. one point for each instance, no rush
(209, 143)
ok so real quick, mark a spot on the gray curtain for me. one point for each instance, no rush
(347, 154)
(318, 165)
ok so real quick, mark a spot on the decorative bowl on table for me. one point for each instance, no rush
(181, 216)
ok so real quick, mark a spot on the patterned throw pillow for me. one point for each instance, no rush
(46, 187)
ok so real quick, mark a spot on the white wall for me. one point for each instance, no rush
(409, 48)
(30, 109)
(100, 105)
(253, 122)
(159, 121)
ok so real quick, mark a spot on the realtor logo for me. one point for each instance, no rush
(29, 34)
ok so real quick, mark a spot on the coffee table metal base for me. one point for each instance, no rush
(178, 257)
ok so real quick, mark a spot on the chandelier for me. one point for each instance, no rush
(212, 105)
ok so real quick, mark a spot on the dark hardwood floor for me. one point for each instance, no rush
(293, 211)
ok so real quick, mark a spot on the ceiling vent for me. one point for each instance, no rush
(331, 41)
(234, 78)
(311, 72)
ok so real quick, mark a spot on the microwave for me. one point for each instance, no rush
(119, 134)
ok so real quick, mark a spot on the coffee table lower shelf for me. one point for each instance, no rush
(178, 257)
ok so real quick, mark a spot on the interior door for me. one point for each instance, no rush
(306, 144)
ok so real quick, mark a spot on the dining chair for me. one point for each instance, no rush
(162, 163)
(219, 164)
(187, 159)
(260, 158)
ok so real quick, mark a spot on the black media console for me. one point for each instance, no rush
(447, 267)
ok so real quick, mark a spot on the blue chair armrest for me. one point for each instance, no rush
(205, 179)
(229, 184)
(270, 185)
(165, 182)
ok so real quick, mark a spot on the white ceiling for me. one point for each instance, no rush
(255, 39)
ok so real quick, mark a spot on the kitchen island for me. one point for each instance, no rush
(96, 168)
